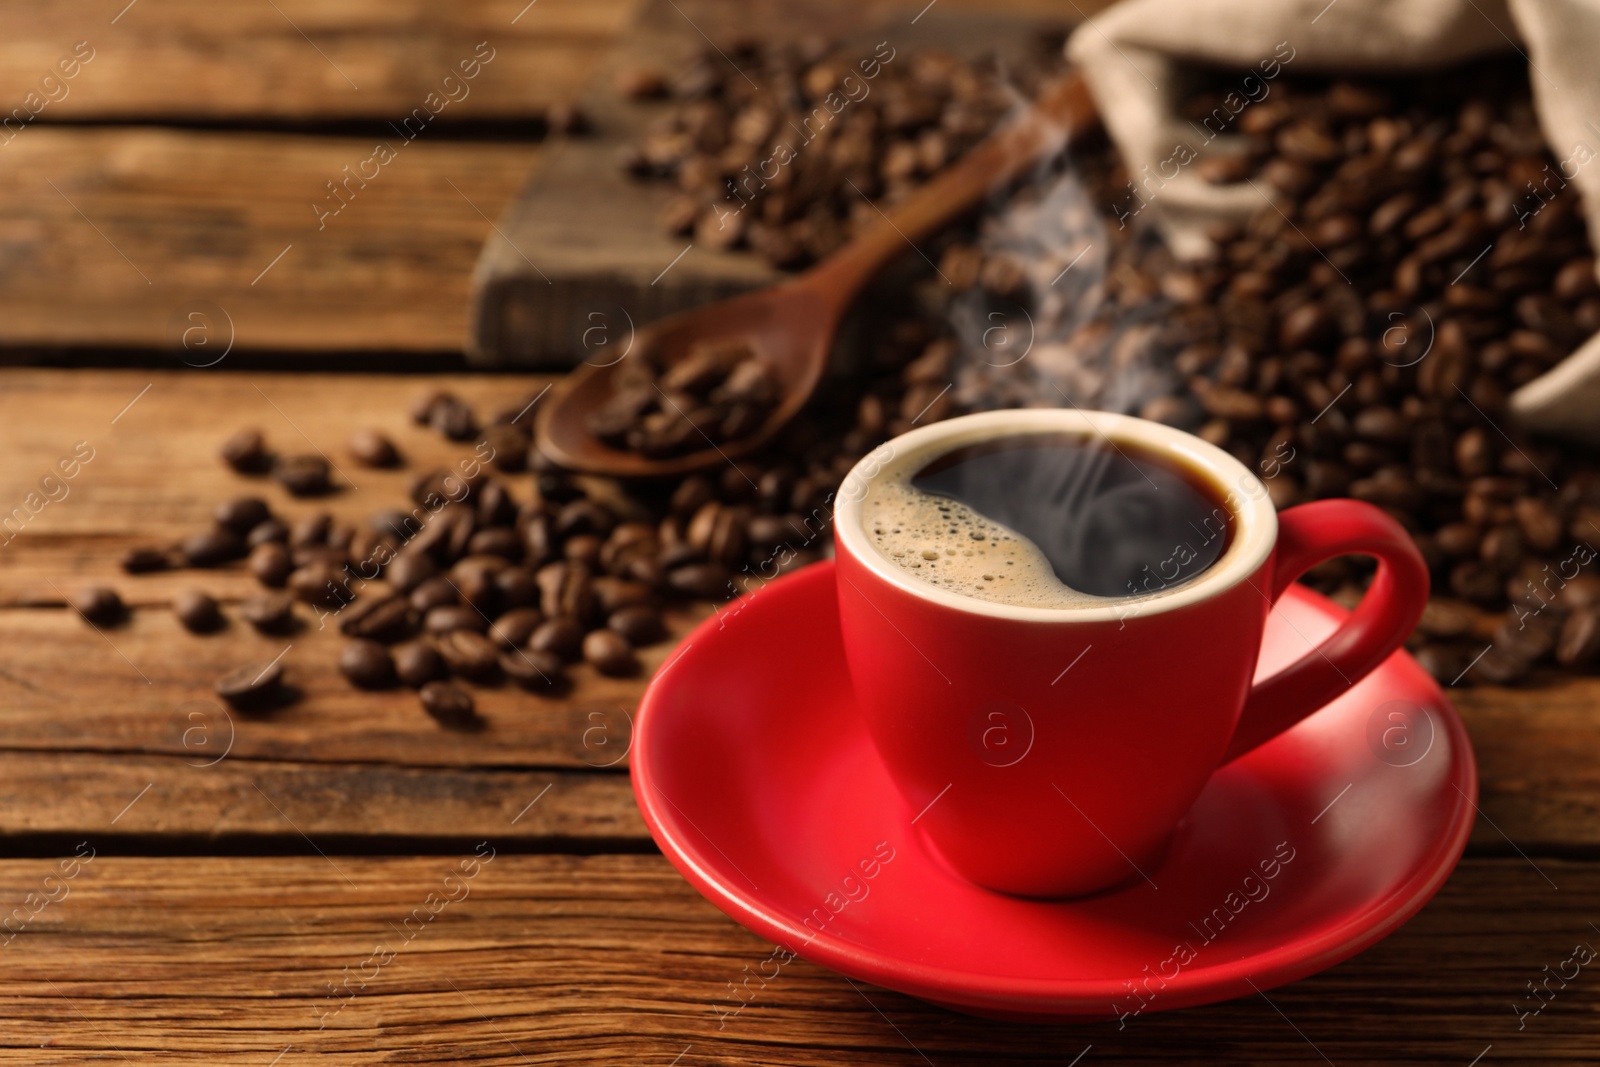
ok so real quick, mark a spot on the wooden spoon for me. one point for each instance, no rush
(792, 325)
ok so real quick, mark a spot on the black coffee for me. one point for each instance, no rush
(1050, 520)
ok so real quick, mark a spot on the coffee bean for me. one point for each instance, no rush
(535, 670)
(324, 555)
(421, 409)
(641, 83)
(1531, 638)
(408, 570)
(1581, 591)
(270, 563)
(433, 593)
(453, 418)
(513, 629)
(517, 587)
(371, 448)
(693, 493)
(561, 636)
(212, 548)
(1501, 666)
(253, 686)
(385, 618)
(1502, 547)
(1579, 642)
(270, 531)
(417, 663)
(367, 664)
(451, 705)
(1539, 521)
(501, 541)
(609, 653)
(242, 514)
(449, 617)
(98, 605)
(197, 611)
(612, 594)
(508, 445)
(638, 624)
(321, 584)
(468, 653)
(312, 529)
(1476, 582)
(246, 451)
(565, 589)
(303, 475)
(1442, 617)
(269, 612)
(145, 560)
(703, 581)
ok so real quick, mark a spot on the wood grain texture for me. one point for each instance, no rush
(615, 959)
(211, 797)
(298, 60)
(155, 476)
(110, 236)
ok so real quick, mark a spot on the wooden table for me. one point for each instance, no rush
(243, 870)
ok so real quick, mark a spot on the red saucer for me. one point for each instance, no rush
(759, 782)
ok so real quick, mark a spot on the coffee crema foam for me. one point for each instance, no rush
(946, 544)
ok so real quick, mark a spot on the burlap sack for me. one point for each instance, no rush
(1132, 52)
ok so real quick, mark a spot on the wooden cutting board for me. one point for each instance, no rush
(577, 260)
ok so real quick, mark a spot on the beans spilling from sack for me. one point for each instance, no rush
(1422, 256)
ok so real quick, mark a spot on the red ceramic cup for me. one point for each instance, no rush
(1050, 752)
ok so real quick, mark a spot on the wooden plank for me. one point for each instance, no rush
(614, 959)
(583, 239)
(111, 236)
(212, 797)
(296, 60)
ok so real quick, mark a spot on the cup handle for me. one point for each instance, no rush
(1308, 535)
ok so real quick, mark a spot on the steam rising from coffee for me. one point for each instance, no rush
(1057, 318)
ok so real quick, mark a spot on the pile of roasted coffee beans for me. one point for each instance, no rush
(718, 391)
(782, 147)
(1421, 258)
(478, 579)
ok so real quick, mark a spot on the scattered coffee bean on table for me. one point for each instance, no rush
(246, 452)
(146, 560)
(372, 449)
(99, 605)
(253, 686)
(271, 613)
(212, 548)
(535, 670)
(242, 514)
(271, 563)
(639, 624)
(561, 636)
(449, 704)
(198, 612)
(303, 475)
(417, 663)
(607, 652)
(469, 654)
(367, 664)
